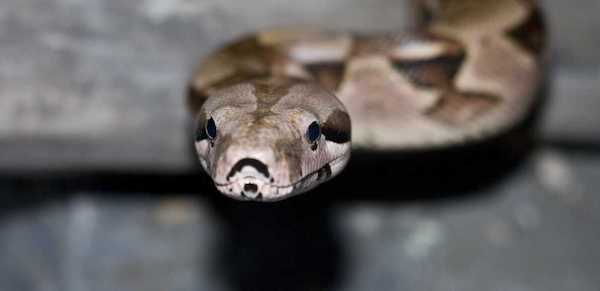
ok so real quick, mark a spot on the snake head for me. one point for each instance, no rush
(271, 139)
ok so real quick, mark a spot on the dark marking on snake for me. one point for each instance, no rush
(314, 146)
(436, 72)
(455, 108)
(195, 98)
(337, 127)
(324, 173)
(249, 55)
(237, 78)
(269, 92)
(256, 164)
(241, 61)
(424, 17)
(329, 75)
(200, 133)
(530, 34)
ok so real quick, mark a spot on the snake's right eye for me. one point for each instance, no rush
(211, 128)
(313, 132)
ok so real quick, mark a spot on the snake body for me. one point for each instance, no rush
(278, 112)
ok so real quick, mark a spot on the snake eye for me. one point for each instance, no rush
(211, 128)
(313, 132)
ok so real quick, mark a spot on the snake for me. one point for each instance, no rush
(279, 111)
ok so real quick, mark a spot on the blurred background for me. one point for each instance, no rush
(100, 189)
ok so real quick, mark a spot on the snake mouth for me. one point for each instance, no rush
(265, 192)
(270, 192)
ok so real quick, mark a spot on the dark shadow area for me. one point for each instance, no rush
(290, 245)
(580, 146)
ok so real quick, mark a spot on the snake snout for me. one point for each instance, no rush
(249, 178)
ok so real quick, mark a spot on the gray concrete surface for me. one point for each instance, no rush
(96, 86)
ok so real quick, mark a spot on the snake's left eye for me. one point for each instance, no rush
(313, 132)
(211, 128)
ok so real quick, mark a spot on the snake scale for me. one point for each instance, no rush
(278, 112)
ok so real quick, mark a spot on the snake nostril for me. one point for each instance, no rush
(250, 188)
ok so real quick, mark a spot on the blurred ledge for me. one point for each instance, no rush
(44, 155)
(570, 117)
(571, 113)
(569, 31)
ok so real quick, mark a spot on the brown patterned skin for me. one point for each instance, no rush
(468, 72)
